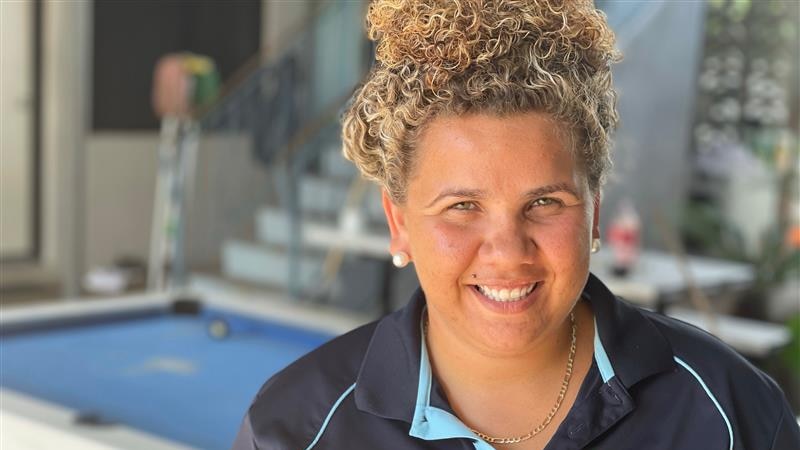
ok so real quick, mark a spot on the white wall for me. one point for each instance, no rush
(120, 188)
(16, 122)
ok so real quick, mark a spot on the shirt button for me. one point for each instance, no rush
(610, 396)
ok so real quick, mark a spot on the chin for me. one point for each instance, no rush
(512, 334)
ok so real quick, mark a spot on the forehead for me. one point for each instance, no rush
(493, 152)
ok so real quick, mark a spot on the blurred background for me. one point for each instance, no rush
(165, 159)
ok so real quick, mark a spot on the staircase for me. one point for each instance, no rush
(285, 251)
(302, 240)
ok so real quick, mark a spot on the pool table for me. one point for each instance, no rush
(155, 372)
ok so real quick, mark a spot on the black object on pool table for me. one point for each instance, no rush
(93, 419)
(187, 306)
(218, 326)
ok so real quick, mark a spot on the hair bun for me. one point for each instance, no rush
(442, 38)
(439, 37)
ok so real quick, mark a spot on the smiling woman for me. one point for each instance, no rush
(514, 212)
(488, 124)
(501, 248)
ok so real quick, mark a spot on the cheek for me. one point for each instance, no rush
(566, 241)
(452, 241)
(441, 248)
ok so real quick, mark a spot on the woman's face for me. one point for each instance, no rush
(498, 222)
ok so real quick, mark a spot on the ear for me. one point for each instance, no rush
(395, 217)
(596, 217)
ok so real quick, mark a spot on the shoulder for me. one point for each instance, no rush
(706, 354)
(750, 402)
(291, 407)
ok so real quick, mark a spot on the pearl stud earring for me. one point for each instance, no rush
(400, 259)
(595, 245)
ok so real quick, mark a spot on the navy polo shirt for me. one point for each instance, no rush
(655, 383)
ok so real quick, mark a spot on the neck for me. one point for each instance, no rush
(458, 364)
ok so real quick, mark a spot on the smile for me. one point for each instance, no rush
(505, 295)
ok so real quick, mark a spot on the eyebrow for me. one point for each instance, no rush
(552, 188)
(478, 193)
(460, 193)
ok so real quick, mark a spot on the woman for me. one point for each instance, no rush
(487, 124)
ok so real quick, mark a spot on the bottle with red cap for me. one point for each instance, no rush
(623, 238)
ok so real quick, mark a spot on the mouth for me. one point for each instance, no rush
(505, 294)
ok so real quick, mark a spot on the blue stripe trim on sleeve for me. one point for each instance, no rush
(330, 414)
(711, 396)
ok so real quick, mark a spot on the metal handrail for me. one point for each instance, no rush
(264, 57)
(269, 98)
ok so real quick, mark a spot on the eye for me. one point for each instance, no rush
(463, 206)
(544, 205)
(546, 201)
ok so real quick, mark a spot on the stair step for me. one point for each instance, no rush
(373, 207)
(327, 196)
(322, 196)
(333, 164)
(274, 228)
(259, 264)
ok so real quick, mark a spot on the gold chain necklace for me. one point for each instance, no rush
(561, 394)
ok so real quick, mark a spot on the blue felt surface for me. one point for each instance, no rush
(163, 374)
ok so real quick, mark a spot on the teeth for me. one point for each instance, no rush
(506, 295)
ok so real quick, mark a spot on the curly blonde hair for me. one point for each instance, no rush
(501, 57)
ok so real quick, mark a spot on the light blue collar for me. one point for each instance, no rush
(431, 423)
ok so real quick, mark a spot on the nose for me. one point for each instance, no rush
(508, 241)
